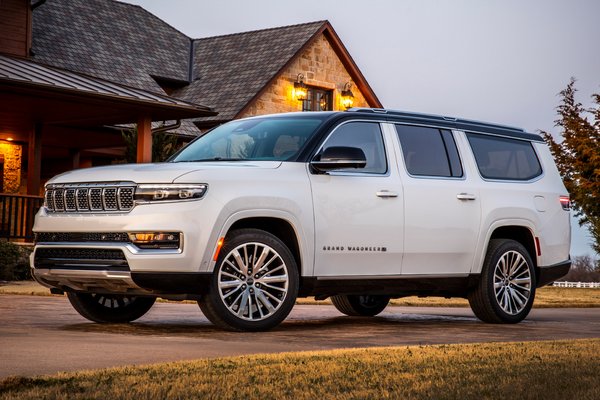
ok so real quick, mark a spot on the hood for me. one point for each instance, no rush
(154, 173)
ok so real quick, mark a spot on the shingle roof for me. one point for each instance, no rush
(23, 71)
(116, 41)
(125, 43)
(230, 70)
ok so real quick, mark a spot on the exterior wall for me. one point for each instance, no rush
(15, 24)
(321, 67)
(12, 166)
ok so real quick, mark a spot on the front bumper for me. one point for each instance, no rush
(121, 267)
(123, 282)
(551, 273)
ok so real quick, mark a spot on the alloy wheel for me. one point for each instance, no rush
(512, 282)
(253, 281)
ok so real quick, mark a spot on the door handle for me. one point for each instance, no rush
(386, 193)
(466, 196)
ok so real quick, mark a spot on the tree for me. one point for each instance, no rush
(578, 157)
(583, 269)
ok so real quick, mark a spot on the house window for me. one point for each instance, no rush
(318, 100)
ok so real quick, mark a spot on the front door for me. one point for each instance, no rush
(359, 212)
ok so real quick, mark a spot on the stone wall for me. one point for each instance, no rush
(12, 166)
(321, 68)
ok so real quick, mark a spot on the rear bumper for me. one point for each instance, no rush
(550, 273)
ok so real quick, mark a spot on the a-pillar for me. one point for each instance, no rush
(144, 140)
(34, 160)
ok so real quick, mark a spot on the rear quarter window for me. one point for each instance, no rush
(503, 158)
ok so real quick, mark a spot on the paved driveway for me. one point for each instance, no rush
(43, 335)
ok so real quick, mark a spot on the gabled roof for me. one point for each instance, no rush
(111, 40)
(126, 44)
(232, 70)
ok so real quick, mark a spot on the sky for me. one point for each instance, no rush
(499, 61)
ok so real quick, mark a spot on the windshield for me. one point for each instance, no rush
(271, 139)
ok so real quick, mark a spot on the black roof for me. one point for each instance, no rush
(447, 122)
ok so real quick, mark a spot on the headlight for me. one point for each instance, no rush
(168, 192)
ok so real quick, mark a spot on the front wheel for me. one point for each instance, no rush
(254, 285)
(110, 308)
(506, 289)
(360, 305)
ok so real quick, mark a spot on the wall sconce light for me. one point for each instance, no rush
(300, 89)
(347, 96)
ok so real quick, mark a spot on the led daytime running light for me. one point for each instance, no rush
(169, 192)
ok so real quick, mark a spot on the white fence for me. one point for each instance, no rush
(589, 285)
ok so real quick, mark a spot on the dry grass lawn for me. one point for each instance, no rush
(533, 370)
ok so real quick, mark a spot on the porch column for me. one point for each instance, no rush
(34, 160)
(144, 140)
(76, 157)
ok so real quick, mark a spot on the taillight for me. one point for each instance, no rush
(565, 202)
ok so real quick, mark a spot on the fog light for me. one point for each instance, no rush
(156, 240)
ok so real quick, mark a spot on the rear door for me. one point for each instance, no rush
(442, 204)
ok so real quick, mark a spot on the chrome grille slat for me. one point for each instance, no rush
(81, 198)
(70, 200)
(90, 197)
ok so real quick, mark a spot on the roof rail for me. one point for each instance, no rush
(465, 123)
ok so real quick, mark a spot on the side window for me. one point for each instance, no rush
(429, 151)
(503, 158)
(366, 136)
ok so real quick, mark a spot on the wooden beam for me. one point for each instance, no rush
(144, 140)
(34, 160)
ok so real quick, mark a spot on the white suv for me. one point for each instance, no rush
(358, 206)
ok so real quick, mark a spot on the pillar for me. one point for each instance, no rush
(144, 140)
(34, 160)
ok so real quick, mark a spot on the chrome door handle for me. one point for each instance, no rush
(386, 193)
(466, 196)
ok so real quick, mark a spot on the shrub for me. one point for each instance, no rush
(14, 262)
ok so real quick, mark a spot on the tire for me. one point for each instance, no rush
(360, 305)
(110, 308)
(255, 301)
(506, 289)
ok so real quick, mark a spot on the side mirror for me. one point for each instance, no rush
(339, 157)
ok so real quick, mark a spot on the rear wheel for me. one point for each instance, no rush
(254, 285)
(360, 305)
(506, 289)
(110, 308)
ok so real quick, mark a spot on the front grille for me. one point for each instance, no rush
(52, 237)
(113, 259)
(90, 197)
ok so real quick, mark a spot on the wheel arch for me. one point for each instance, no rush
(278, 226)
(518, 233)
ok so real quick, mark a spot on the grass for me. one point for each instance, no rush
(546, 297)
(531, 370)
